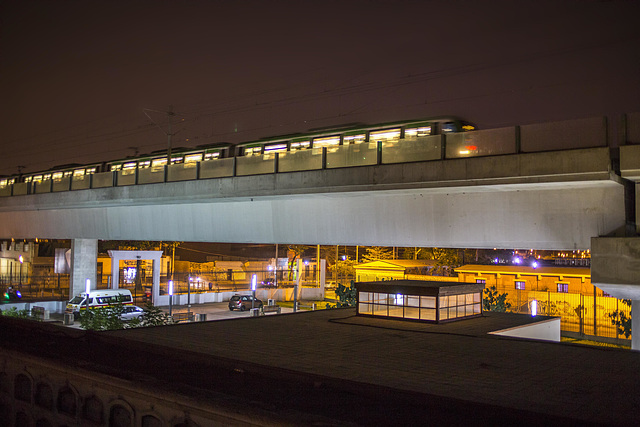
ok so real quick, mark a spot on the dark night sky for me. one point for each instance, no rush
(75, 75)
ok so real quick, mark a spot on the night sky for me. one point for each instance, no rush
(75, 76)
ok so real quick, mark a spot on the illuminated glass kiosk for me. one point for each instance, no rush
(433, 302)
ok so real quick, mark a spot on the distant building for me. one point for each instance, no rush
(398, 269)
(16, 259)
(566, 292)
(575, 280)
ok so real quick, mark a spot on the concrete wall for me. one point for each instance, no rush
(286, 294)
(59, 394)
(546, 330)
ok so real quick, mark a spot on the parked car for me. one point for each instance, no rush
(243, 302)
(130, 312)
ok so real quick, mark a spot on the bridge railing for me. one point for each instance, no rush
(582, 133)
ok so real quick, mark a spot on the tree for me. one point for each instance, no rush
(492, 301)
(375, 253)
(445, 260)
(414, 253)
(344, 268)
(346, 296)
(298, 252)
(621, 321)
(128, 245)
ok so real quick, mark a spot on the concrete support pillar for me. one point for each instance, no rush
(635, 325)
(155, 290)
(84, 264)
(615, 263)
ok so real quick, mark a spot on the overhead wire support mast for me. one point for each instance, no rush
(170, 113)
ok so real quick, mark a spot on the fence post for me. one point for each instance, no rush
(595, 312)
(582, 313)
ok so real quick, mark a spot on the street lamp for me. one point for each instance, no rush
(170, 297)
(87, 288)
(21, 259)
(254, 283)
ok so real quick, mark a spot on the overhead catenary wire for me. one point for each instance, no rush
(352, 87)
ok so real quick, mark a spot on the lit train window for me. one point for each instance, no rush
(159, 162)
(417, 132)
(354, 139)
(449, 127)
(92, 170)
(144, 164)
(252, 151)
(275, 148)
(300, 145)
(57, 175)
(67, 173)
(78, 172)
(130, 165)
(5, 182)
(191, 158)
(46, 176)
(175, 160)
(27, 179)
(115, 167)
(211, 156)
(390, 135)
(326, 142)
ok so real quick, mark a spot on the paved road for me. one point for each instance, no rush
(217, 311)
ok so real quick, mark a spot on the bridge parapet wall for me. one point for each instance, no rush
(581, 133)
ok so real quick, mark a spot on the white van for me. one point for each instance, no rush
(98, 299)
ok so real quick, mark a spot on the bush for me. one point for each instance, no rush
(21, 314)
(346, 296)
(108, 318)
(492, 301)
(620, 320)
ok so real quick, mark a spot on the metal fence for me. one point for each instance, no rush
(37, 287)
(586, 315)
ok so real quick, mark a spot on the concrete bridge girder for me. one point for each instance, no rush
(536, 216)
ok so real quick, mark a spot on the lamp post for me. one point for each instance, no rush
(189, 294)
(87, 288)
(254, 283)
(170, 297)
(21, 259)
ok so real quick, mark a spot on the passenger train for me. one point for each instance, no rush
(389, 133)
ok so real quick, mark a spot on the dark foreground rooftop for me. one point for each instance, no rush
(366, 371)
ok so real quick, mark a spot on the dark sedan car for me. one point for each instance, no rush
(243, 302)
